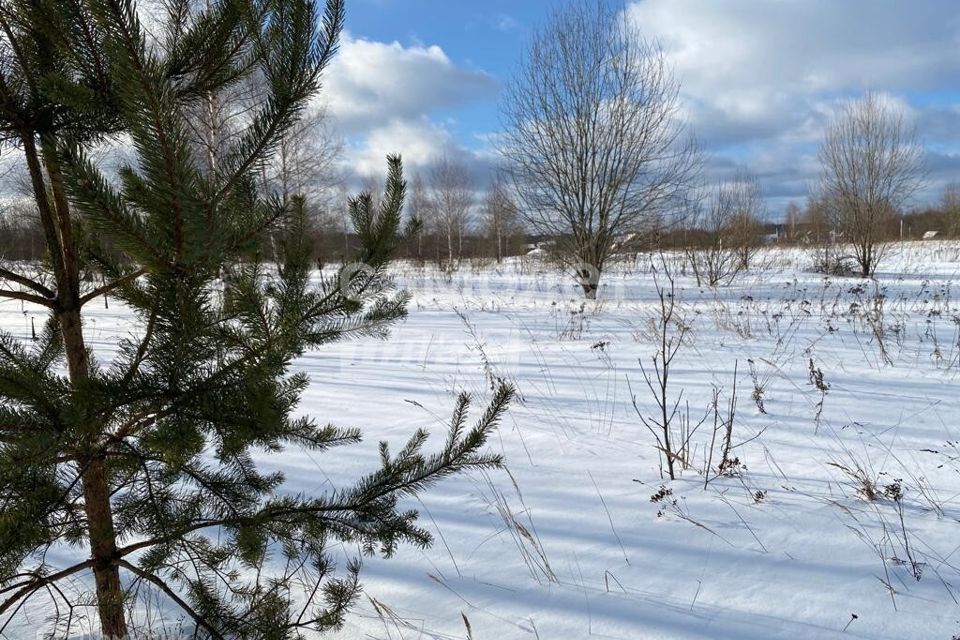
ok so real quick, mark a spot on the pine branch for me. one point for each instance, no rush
(141, 353)
(111, 286)
(108, 211)
(155, 580)
(289, 94)
(153, 122)
(27, 282)
(27, 297)
(27, 72)
(404, 475)
(39, 581)
(203, 59)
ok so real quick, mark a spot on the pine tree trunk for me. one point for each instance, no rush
(96, 489)
(96, 495)
(103, 546)
(96, 499)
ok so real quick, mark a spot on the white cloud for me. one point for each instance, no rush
(420, 141)
(760, 67)
(386, 98)
(760, 79)
(805, 45)
(372, 83)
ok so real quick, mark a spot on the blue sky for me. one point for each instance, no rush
(488, 34)
(760, 78)
(486, 37)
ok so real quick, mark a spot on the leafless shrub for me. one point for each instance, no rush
(871, 311)
(602, 349)
(864, 483)
(668, 504)
(723, 230)
(895, 544)
(670, 330)
(723, 424)
(571, 321)
(479, 345)
(829, 259)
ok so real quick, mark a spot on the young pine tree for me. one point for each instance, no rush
(143, 465)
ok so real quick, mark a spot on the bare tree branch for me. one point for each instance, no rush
(872, 165)
(593, 140)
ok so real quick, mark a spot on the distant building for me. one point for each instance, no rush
(536, 248)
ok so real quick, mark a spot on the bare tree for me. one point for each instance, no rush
(342, 219)
(220, 115)
(816, 219)
(501, 214)
(452, 198)
(742, 204)
(713, 235)
(305, 161)
(823, 239)
(593, 142)
(793, 217)
(872, 164)
(950, 205)
(420, 208)
(304, 164)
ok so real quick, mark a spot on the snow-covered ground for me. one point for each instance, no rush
(581, 537)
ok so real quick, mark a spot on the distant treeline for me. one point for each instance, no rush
(21, 237)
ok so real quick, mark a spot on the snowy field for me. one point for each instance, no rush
(838, 514)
